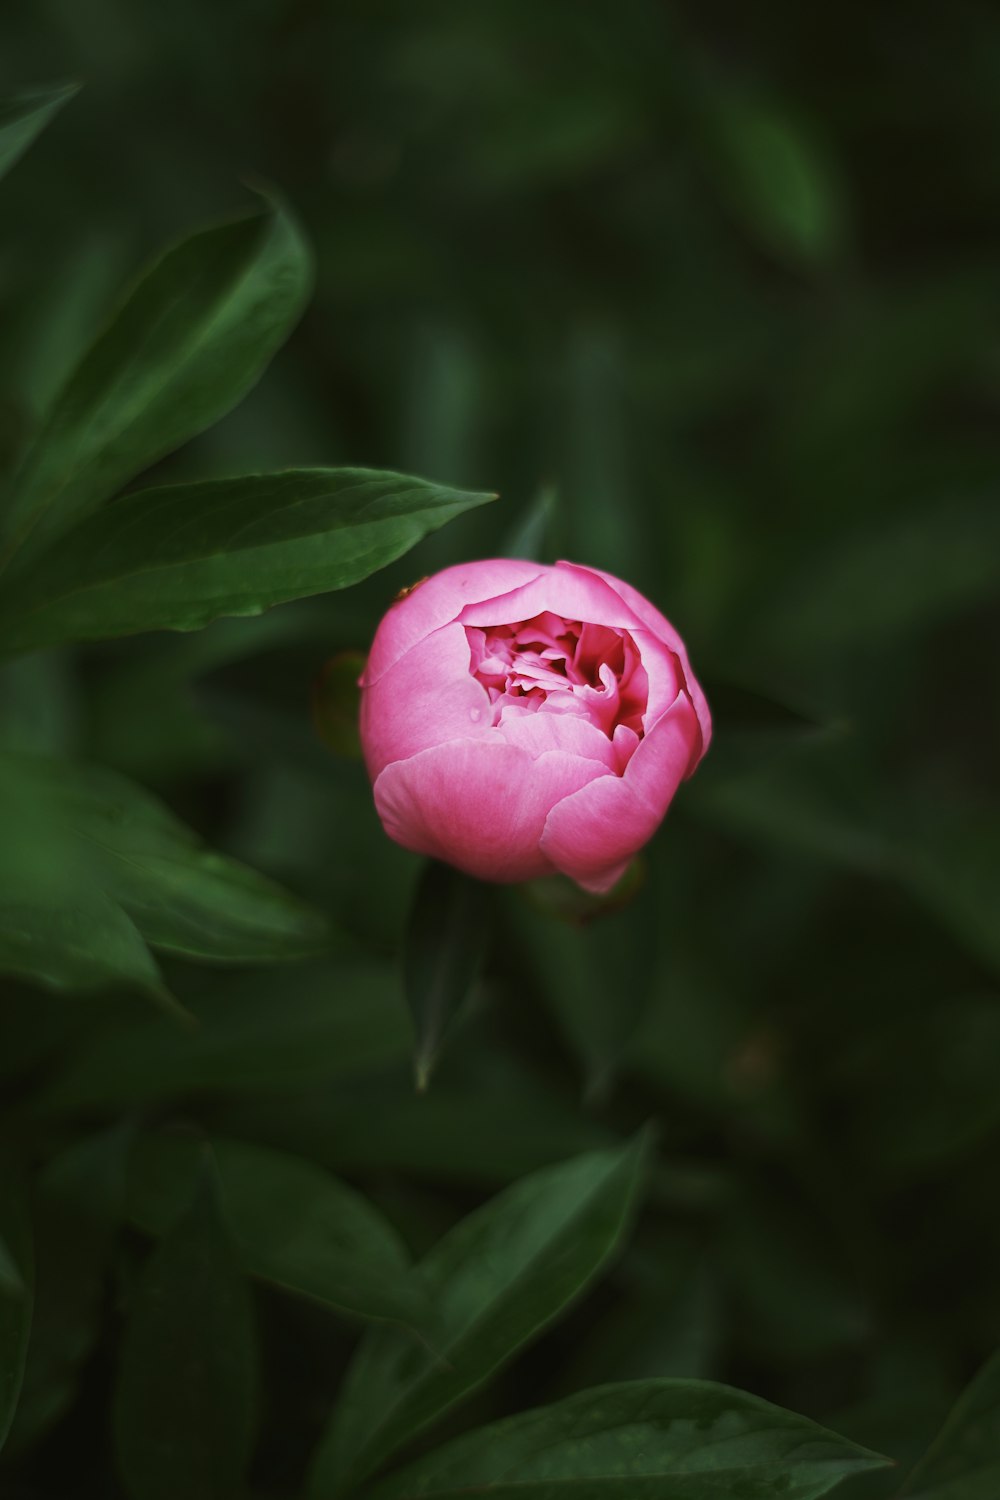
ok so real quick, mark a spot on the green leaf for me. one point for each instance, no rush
(320, 1024)
(184, 1406)
(446, 941)
(25, 116)
(963, 1462)
(58, 924)
(295, 1225)
(82, 942)
(178, 557)
(188, 342)
(682, 1439)
(496, 1280)
(15, 1299)
(78, 1210)
(137, 864)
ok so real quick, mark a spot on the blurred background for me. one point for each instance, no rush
(711, 297)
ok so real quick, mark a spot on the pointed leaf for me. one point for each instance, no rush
(25, 116)
(57, 923)
(188, 342)
(184, 1407)
(500, 1277)
(446, 942)
(295, 1225)
(179, 557)
(133, 856)
(963, 1462)
(661, 1439)
(85, 942)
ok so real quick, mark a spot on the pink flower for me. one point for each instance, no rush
(519, 720)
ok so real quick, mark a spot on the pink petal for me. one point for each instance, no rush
(542, 731)
(660, 626)
(428, 696)
(624, 744)
(439, 600)
(567, 590)
(592, 834)
(663, 675)
(479, 804)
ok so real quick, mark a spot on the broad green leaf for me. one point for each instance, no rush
(294, 1225)
(16, 1297)
(188, 342)
(78, 1209)
(665, 1439)
(134, 856)
(963, 1462)
(178, 557)
(255, 1033)
(446, 941)
(185, 1402)
(496, 1280)
(83, 941)
(57, 923)
(25, 116)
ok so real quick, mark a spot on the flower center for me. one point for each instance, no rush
(551, 665)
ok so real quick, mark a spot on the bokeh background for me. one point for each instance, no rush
(710, 295)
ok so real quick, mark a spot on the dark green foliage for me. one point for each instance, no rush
(495, 1282)
(185, 1402)
(187, 343)
(294, 1226)
(709, 296)
(685, 1439)
(446, 941)
(178, 558)
(963, 1462)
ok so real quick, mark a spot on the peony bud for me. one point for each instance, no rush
(520, 720)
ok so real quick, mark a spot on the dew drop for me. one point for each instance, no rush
(475, 714)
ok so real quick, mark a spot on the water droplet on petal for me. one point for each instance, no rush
(475, 714)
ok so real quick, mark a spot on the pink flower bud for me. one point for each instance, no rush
(520, 720)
